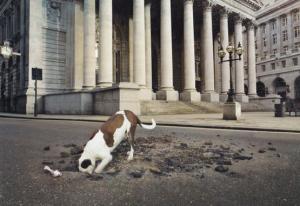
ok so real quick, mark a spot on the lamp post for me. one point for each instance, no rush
(6, 51)
(231, 50)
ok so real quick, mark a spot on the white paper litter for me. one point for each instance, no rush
(54, 173)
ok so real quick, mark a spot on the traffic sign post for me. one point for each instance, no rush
(37, 74)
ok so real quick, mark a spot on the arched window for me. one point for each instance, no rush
(261, 89)
(297, 88)
(280, 87)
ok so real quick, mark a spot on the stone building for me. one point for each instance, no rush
(99, 56)
(278, 49)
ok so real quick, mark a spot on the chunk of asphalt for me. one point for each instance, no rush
(221, 168)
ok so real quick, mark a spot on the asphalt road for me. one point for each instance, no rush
(265, 180)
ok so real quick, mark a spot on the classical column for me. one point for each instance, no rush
(130, 50)
(106, 64)
(139, 66)
(209, 88)
(251, 62)
(148, 47)
(239, 65)
(89, 73)
(189, 93)
(167, 91)
(225, 69)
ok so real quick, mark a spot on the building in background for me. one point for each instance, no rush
(99, 56)
(278, 49)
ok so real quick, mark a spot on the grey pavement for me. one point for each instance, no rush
(267, 179)
(264, 121)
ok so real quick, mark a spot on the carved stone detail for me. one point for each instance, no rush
(54, 11)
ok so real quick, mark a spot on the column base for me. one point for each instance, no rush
(210, 97)
(105, 84)
(146, 94)
(190, 96)
(87, 88)
(168, 95)
(252, 96)
(241, 98)
(223, 97)
(232, 111)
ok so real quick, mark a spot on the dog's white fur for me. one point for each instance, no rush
(97, 149)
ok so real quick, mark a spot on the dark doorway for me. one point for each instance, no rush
(297, 88)
(280, 87)
(260, 89)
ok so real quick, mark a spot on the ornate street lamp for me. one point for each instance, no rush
(231, 50)
(6, 51)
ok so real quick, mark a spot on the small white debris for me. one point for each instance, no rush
(54, 173)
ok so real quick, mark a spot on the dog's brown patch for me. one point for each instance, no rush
(134, 120)
(109, 127)
(132, 117)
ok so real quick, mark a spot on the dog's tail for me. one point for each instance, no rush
(146, 126)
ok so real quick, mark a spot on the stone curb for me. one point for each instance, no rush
(166, 124)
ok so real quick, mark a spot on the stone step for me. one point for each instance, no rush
(178, 107)
(157, 107)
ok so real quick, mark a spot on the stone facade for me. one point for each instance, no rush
(166, 48)
(278, 49)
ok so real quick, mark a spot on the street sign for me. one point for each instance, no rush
(37, 74)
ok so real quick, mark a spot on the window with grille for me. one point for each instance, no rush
(297, 31)
(284, 35)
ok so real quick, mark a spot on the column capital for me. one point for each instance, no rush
(224, 12)
(250, 25)
(238, 19)
(208, 4)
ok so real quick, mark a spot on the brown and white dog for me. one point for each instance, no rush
(118, 127)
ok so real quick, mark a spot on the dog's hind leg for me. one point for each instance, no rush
(103, 164)
(131, 142)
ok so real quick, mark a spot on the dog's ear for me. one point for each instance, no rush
(86, 163)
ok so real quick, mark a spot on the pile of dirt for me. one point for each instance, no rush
(162, 156)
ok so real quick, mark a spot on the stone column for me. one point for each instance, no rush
(130, 50)
(148, 48)
(106, 64)
(167, 91)
(189, 94)
(209, 91)
(239, 65)
(89, 71)
(225, 69)
(139, 66)
(251, 62)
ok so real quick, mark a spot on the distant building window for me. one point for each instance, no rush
(273, 66)
(263, 68)
(297, 45)
(285, 49)
(256, 57)
(297, 31)
(295, 61)
(283, 63)
(265, 42)
(255, 44)
(273, 24)
(283, 21)
(296, 16)
(263, 28)
(284, 35)
(274, 51)
(274, 38)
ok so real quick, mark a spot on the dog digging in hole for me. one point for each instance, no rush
(120, 126)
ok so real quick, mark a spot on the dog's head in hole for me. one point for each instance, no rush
(120, 126)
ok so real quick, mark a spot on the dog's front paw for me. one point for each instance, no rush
(98, 171)
(130, 158)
